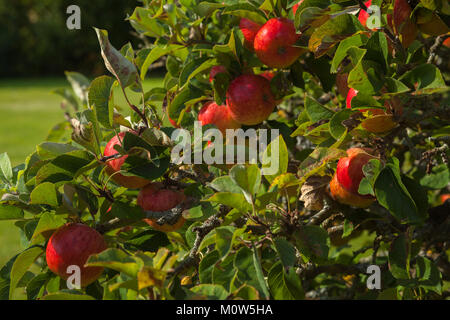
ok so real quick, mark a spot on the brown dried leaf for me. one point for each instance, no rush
(313, 191)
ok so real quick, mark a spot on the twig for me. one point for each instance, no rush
(322, 214)
(437, 43)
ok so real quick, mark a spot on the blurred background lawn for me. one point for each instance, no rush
(35, 49)
(28, 110)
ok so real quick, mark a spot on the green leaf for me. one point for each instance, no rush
(428, 275)
(156, 53)
(122, 68)
(64, 167)
(275, 159)
(35, 287)
(211, 291)
(399, 258)
(246, 10)
(284, 285)
(354, 41)
(206, 266)
(225, 237)
(439, 177)
(79, 85)
(337, 129)
(248, 178)
(205, 8)
(101, 100)
(148, 240)
(5, 167)
(331, 32)
(142, 21)
(425, 78)
(50, 150)
(316, 111)
(259, 274)
(21, 265)
(115, 259)
(126, 211)
(67, 296)
(45, 193)
(286, 252)
(10, 212)
(248, 272)
(313, 242)
(195, 67)
(225, 184)
(392, 194)
(45, 227)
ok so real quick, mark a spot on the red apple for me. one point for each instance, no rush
(274, 43)
(114, 165)
(250, 99)
(216, 70)
(249, 30)
(211, 113)
(345, 183)
(72, 244)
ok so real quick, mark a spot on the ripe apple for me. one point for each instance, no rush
(220, 116)
(249, 30)
(250, 99)
(274, 43)
(345, 183)
(215, 71)
(154, 198)
(444, 197)
(114, 165)
(72, 244)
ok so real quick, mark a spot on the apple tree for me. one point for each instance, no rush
(355, 209)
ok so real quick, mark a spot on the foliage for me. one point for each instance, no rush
(248, 235)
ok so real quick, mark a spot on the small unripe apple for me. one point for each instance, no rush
(114, 165)
(345, 183)
(220, 116)
(72, 244)
(250, 99)
(215, 71)
(249, 29)
(274, 43)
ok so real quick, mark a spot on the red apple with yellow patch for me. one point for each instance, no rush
(345, 183)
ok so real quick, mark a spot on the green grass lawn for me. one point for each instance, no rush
(28, 110)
